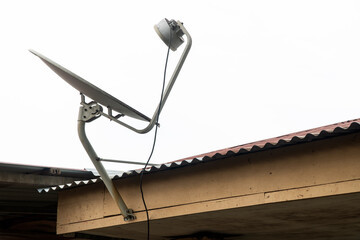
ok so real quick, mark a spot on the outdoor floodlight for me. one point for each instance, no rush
(171, 33)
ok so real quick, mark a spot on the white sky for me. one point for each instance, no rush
(257, 69)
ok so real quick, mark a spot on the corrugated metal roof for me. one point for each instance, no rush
(328, 131)
(45, 170)
(19, 200)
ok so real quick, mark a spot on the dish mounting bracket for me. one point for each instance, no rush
(87, 113)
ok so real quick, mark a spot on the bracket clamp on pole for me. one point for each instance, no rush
(89, 111)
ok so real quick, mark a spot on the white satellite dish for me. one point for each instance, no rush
(91, 90)
(171, 33)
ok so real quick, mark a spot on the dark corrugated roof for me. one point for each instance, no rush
(21, 203)
(314, 134)
(45, 170)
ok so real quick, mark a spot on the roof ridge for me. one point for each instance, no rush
(286, 137)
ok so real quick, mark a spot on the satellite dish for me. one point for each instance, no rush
(91, 90)
(171, 33)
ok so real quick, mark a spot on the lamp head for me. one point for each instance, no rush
(170, 32)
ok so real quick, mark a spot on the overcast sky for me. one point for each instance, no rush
(257, 69)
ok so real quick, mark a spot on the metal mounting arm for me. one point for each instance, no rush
(89, 112)
(167, 90)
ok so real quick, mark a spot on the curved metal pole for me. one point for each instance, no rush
(127, 213)
(172, 79)
(167, 90)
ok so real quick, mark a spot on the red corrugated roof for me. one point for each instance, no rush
(314, 134)
(288, 139)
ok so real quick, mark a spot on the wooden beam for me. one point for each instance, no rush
(32, 179)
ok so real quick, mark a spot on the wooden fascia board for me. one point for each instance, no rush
(322, 168)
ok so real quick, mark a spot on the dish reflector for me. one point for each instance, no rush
(91, 90)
